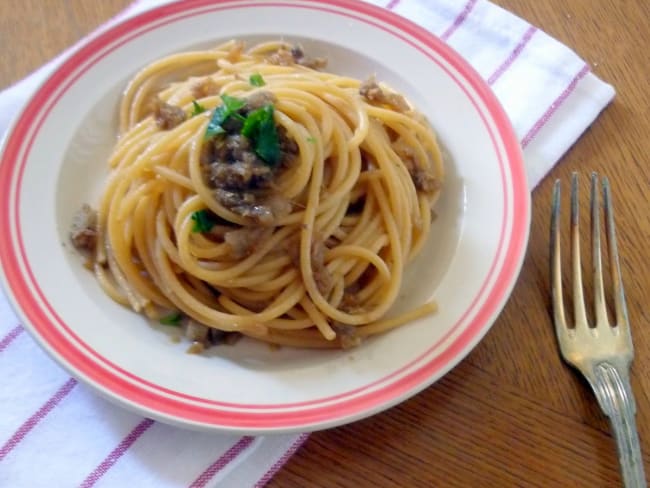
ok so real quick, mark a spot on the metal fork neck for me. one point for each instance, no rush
(614, 393)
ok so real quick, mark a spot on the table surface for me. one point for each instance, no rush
(512, 413)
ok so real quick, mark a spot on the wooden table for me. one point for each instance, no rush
(511, 414)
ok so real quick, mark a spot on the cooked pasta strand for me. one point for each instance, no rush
(301, 241)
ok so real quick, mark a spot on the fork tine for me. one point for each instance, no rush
(603, 358)
(555, 260)
(617, 281)
(600, 308)
(579, 312)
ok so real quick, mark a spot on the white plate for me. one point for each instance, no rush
(54, 157)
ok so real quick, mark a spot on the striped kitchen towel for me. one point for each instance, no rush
(54, 431)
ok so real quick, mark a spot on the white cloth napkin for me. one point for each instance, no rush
(56, 432)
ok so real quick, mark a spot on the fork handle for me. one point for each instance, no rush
(615, 397)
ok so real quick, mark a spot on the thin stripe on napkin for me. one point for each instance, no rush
(53, 428)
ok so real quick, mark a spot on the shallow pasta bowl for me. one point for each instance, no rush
(53, 161)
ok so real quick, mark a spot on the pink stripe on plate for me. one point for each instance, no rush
(557, 103)
(116, 453)
(40, 414)
(226, 458)
(280, 462)
(513, 55)
(9, 338)
(106, 376)
(458, 21)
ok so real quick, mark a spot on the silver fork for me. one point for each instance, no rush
(602, 353)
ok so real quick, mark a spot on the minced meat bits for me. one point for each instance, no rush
(83, 232)
(168, 116)
(234, 164)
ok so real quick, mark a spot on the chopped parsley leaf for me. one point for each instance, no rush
(311, 139)
(197, 108)
(256, 80)
(252, 122)
(203, 221)
(173, 318)
(232, 104)
(260, 128)
(229, 107)
(267, 144)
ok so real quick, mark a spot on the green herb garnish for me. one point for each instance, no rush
(173, 318)
(311, 139)
(256, 80)
(203, 221)
(229, 107)
(260, 128)
(267, 144)
(197, 108)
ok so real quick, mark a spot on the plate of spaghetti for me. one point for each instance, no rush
(261, 217)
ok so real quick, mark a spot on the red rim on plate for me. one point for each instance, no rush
(80, 359)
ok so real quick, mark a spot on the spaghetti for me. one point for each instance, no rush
(251, 192)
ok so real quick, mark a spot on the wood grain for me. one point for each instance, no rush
(511, 414)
